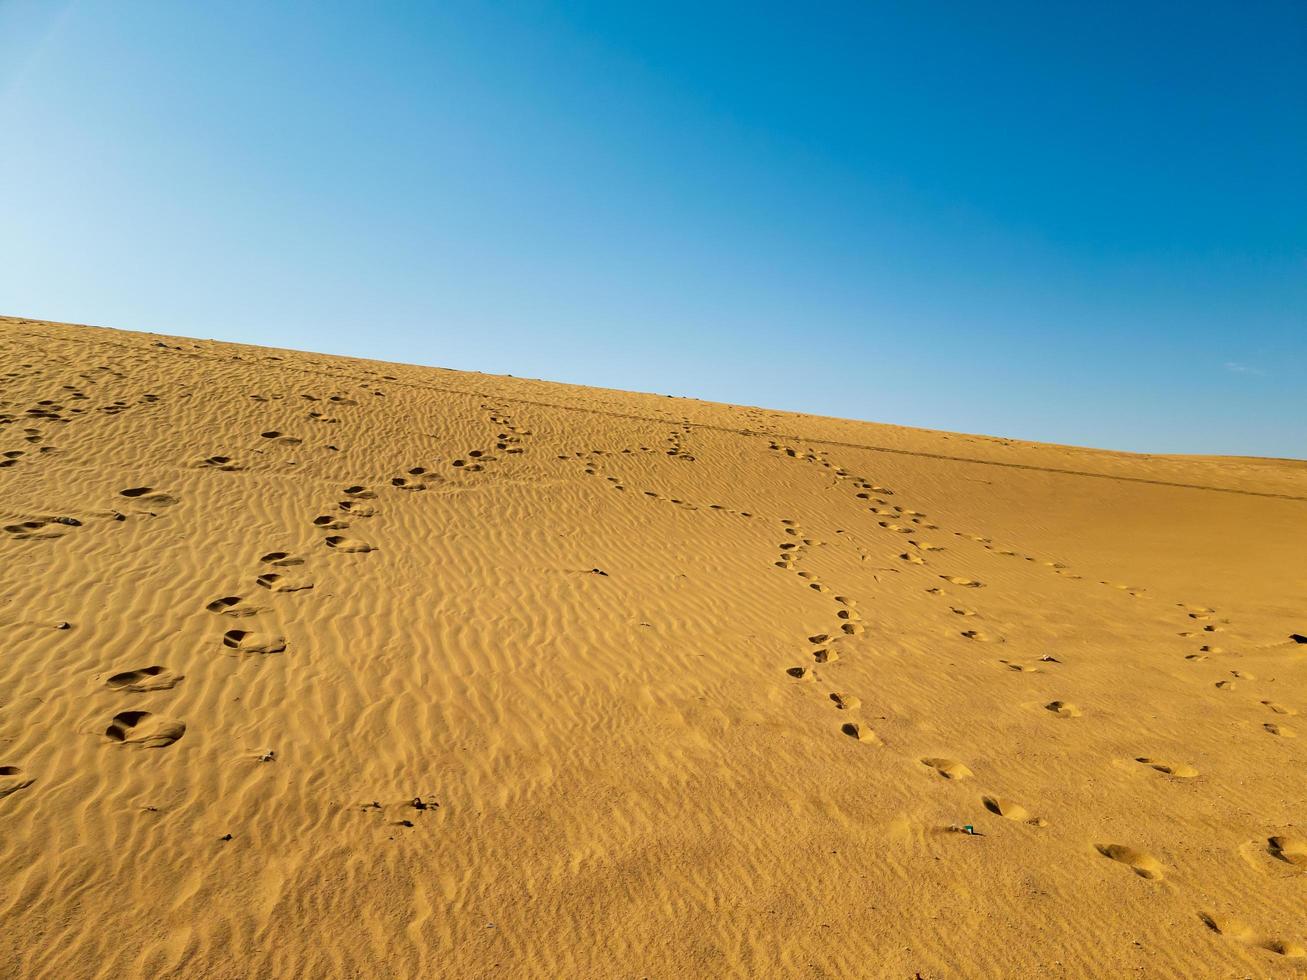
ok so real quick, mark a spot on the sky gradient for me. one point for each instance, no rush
(1081, 226)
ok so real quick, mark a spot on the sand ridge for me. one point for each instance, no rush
(323, 666)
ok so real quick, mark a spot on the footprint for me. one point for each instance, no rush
(1291, 850)
(981, 637)
(825, 656)
(281, 559)
(1063, 709)
(144, 679)
(966, 583)
(846, 702)
(230, 605)
(349, 545)
(326, 522)
(279, 583)
(12, 779)
(963, 610)
(1019, 667)
(223, 463)
(280, 439)
(359, 493)
(857, 730)
(146, 495)
(948, 768)
(1232, 928)
(1012, 811)
(853, 629)
(1284, 731)
(1140, 862)
(249, 642)
(144, 728)
(1179, 770)
(1280, 709)
(357, 509)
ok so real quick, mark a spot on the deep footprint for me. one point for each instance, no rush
(248, 642)
(153, 678)
(145, 729)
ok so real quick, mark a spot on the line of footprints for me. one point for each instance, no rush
(1286, 849)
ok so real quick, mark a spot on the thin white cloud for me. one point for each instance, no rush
(1234, 367)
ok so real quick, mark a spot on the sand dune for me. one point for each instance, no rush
(316, 666)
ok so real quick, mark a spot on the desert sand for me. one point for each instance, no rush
(319, 666)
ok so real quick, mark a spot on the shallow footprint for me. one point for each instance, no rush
(1179, 770)
(279, 583)
(145, 728)
(1283, 731)
(1063, 709)
(281, 559)
(153, 678)
(948, 768)
(1012, 811)
(249, 642)
(146, 495)
(964, 582)
(349, 545)
(12, 779)
(1140, 862)
(231, 605)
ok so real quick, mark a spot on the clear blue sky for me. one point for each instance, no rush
(1084, 225)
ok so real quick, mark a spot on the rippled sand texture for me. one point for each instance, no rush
(316, 666)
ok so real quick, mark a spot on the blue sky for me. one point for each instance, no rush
(1079, 225)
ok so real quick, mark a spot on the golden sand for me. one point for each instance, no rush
(317, 666)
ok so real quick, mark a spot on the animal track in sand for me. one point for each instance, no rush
(12, 779)
(351, 546)
(912, 558)
(356, 508)
(1233, 928)
(846, 702)
(1019, 667)
(966, 583)
(146, 495)
(326, 522)
(155, 678)
(1140, 862)
(948, 768)
(231, 605)
(144, 728)
(1063, 709)
(825, 656)
(247, 641)
(1179, 770)
(279, 583)
(281, 559)
(359, 493)
(1283, 731)
(1010, 810)
(963, 610)
(981, 637)
(853, 629)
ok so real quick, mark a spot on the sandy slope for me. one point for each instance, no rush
(680, 688)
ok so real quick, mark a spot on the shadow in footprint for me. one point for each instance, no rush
(144, 728)
(153, 678)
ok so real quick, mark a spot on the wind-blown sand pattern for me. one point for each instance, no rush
(317, 666)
